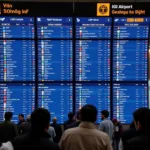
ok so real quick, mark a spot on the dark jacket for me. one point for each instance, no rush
(118, 129)
(20, 122)
(140, 142)
(8, 131)
(127, 135)
(25, 127)
(19, 126)
(74, 125)
(35, 141)
(67, 123)
(58, 132)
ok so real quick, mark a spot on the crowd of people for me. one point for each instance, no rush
(80, 131)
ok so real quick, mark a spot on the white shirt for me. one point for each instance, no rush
(52, 133)
(7, 146)
(120, 145)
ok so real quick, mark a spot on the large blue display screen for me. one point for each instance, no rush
(55, 60)
(57, 98)
(130, 60)
(131, 28)
(17, 60)
(93, 60)
(66, 62)
(127, 97)
(54, 27)
(17, 27)
(93, 27)
(95, 94)
(17, 98)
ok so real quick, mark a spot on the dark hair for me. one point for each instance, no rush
(142, 115)
(21, 115)
(70, 116)
(88, 113)
(8, 115)
(40, 119)
(105, 113)
(132, 125)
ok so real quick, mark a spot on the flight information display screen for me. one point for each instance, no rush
(95, 94)
(127, 97)
(17, 60)
(55, 60)
(17, 98)
(92, 60)
(93, 27)
(131, 28)
(130, 60)
(63, 56)
(54, 27)
(57, 98)
(17, 27)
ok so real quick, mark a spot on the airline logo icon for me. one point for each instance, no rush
(103, 9)
(39, 19)
(78, 20)
(2, 19)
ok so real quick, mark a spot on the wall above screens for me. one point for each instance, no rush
(57, 56)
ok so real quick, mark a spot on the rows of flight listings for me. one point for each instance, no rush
(49, 42)
(59, 99)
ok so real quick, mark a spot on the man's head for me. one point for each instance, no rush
(8, 116)
(142, 119)
(54, 120)
(104, 114)
(40, 119)
(71, 116)
(21, 117)
(88, 113)
(115, 121)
